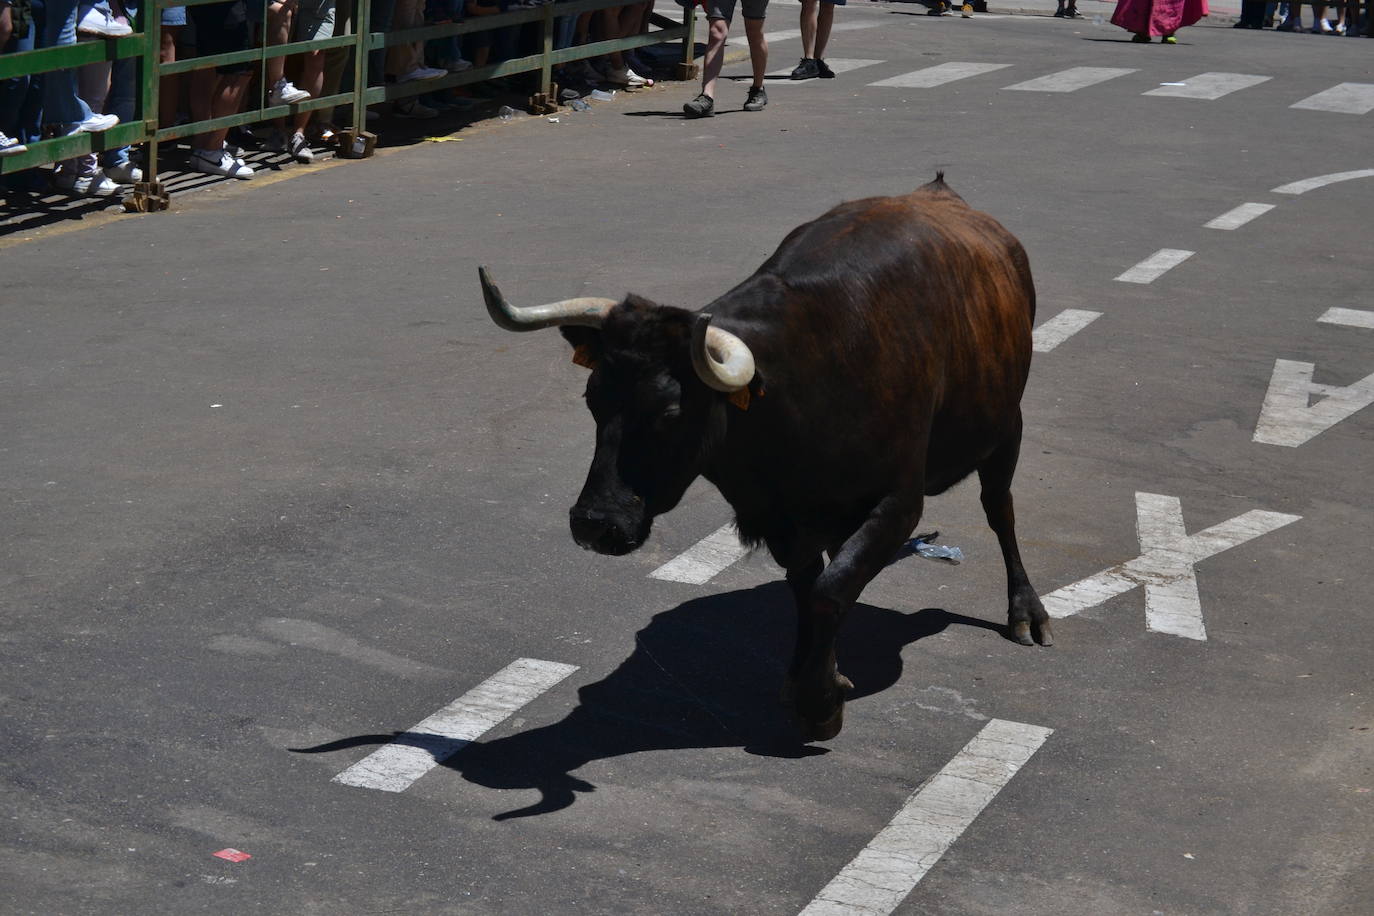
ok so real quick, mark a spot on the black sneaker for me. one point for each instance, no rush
(703, 106)
(806, 69)
(757, 99)
(823, 70)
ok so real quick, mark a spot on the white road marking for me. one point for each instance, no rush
(1209, 86)
(837, 64)
(1355, 318)
(1156, 265)
(788, 34)
(701, 562)
(1321, 181)
(393, 767)
(1165, 565)
(935, 815)
(938, 75)
(1071, 80)
(1060, 328)
(1234, 219)
(1285, 418)
(1345, 98)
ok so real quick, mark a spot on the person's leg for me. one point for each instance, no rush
(218, 95)
(169, 90)
(61, 104)
(825, 18)
(404, 59)
(758, 49)
(808, 28)
(280, 15)
(716, 32)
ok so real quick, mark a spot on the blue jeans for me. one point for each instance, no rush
(21, 97)
(61, 104)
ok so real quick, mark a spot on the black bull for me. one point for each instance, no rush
(877, 357)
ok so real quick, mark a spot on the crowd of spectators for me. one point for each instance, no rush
(1339, 18)
(97, 97)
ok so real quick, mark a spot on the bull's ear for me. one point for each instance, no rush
(586, 344)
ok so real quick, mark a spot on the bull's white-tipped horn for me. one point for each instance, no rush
(721, 359)
(588, 311)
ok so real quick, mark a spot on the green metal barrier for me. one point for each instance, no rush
(356, 142)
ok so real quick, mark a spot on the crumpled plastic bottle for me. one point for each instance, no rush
(505, 113)
(922, 545)
(579, 105)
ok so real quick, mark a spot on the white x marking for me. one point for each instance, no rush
(1165, 565)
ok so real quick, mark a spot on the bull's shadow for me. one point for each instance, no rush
(707, 673)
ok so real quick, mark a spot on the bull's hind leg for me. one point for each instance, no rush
(1026, 617)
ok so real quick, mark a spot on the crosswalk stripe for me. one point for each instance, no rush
(838, 64)
(1345, 98)
(1072, 79)
(938, 75)
(1209, 86)
(786, 34)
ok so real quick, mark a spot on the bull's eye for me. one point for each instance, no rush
(667, 417)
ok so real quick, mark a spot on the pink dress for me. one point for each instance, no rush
(1157, 17)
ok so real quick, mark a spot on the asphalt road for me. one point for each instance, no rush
(273, 483)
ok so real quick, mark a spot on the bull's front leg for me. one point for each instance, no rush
(819, 686)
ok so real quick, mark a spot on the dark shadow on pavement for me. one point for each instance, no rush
(707, 673)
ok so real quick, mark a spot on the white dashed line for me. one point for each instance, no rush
(1071, 80)
(1209, 86)
(1234, 219)
(393, 767)
(1321, 181)
(1060, 328)
(701, 562)
(890, 866)
(1156, 265)
(1354, 318)
(1344, 98)
(938, 75)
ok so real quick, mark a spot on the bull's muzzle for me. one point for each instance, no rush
(600, 531)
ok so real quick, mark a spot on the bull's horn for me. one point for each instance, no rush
(721, 359)
(588, 311)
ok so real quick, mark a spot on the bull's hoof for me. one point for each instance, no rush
(824, 731)
(1028, 634)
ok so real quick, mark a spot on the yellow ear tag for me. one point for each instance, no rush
(582, 356)
(740, 398)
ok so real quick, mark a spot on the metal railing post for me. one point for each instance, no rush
(149, 195)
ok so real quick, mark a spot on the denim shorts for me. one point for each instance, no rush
(314, 19)
(221, 28)
(174, 15)
(725, 9)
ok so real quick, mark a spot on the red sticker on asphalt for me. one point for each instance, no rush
(233, 855)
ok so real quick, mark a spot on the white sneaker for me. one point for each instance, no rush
(96, 185)
(212, 162)
(124, 173)
(299, 147)
(94, 124)
(625, 77)
(642, 80)
(11, 147)
(457, 65)
(284, 92)
(411, 108)
(421, 73)
(103, 23)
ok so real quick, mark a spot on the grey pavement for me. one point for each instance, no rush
(276, 490)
